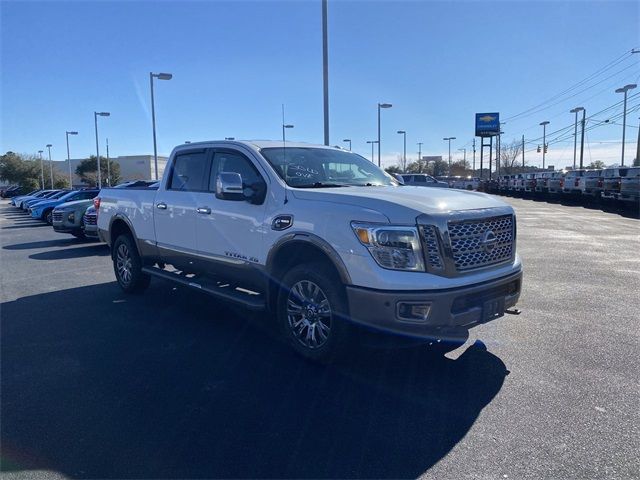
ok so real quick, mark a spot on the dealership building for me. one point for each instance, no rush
(132, 167)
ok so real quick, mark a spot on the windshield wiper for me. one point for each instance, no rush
(319, 185)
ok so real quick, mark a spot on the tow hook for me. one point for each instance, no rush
(513, 311)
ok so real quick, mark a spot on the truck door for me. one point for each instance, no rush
(229, 233)
(175, 209)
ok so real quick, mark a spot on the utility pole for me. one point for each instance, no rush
(544, 142)
(474, 155)
(325, 71)
(638, 146)
(582, 137)
(419, 152)
(624, 90)
(108, 166)
(523, 151)
(575, 133)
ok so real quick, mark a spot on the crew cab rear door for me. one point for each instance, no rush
(175, 209)
(230, 232)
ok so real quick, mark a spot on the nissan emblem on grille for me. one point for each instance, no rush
(481, 243)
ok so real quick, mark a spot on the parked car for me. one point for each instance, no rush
(555, 183)
(503, 184)
(529, 183)
(17, 201)
(517, 184)
(11, 191)
(245, 223)
(592, 184)
(52, 194)
(44, 210)
(542, 182)
(630, 187)
(68, 217)
(90, 222)
(423, 180)
(611, 182)
(573, 181)
(467, 183)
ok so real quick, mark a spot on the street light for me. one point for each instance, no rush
(544, 141)
(159, 76)
(404, 149)
(348, 140)
(283, 129)
(575, 132)
(372, 142)
(464, 150)
(381, 105)
(95, 120)
(624, 90)
(69, 157)
(48, 145)
(420, 152)
(448, 139)
(41, 168)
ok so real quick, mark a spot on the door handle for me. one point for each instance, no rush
(161, 206)
(203, 210)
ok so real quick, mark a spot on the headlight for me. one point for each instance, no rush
(392, 247)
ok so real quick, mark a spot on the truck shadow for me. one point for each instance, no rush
(99, 250)
(173, 384)
(61, 242)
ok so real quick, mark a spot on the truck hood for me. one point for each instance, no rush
(404, 203)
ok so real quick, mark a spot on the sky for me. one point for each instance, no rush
(235, 63)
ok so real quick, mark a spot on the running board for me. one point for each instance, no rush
(223, 291)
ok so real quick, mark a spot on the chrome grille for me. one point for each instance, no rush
(432, 250)
(57, 216)
(90, 219)
(467, 242)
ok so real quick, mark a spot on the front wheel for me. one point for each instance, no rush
(312, 310)
(127, 265)
(48, 217)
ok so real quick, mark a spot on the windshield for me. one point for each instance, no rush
(67, 195)
(58, 195)
(324, 167)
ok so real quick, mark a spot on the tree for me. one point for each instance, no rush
(636, 162)
(510, 157)
(21, 169)
(460, 168)
(597, 165)
(87, 170)
(393, 169)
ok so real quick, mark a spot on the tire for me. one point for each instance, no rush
(127, 265)
(312, 313)
(47, 216)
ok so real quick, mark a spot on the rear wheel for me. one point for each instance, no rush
(312, 311)
(127, 265)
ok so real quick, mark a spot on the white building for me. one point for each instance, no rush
(132, 167)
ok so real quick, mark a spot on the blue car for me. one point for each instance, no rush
(51, 194)
(17, 201)
(43, 210)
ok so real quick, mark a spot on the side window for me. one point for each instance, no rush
(189, 171)
(237, 163)
(419, 179)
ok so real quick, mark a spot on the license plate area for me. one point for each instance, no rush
(492, 309)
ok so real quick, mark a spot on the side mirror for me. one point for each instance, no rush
(229, 186)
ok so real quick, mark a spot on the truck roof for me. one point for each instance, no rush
(258, 144)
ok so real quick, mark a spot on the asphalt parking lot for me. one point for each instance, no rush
(173, 384)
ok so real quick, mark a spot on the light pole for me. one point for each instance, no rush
(348, 140)
(404, 149)
(419, 152)
(372, 142)
(159, 76)
(41, 168)
(95, 120)
(108, 166)
(69, 157)
(448, 139)
(544, 141)
(464, 153)
(48, 145)
(575, 133)
(624, 90)
(381, 105)
(325, 72)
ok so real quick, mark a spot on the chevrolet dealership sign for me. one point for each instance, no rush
(487, 124)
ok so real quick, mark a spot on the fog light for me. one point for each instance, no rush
(72, 217)
(413, 311)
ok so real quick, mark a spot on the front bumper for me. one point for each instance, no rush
(451, 309)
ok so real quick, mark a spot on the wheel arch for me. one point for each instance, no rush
(294, 249)
(120, 225)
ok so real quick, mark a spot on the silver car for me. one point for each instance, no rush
(423, 180)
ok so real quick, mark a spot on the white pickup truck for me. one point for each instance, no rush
(319, 236)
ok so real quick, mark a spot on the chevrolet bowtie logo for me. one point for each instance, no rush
(487, 118)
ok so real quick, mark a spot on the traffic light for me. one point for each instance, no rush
(546, 147)
(538, 148)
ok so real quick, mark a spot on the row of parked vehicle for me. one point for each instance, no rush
(619, 184)
(67, 211)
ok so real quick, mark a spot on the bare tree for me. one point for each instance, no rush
(510, 157)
